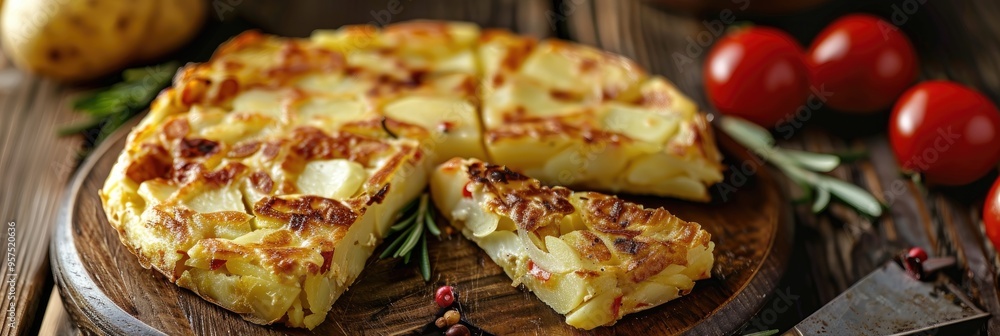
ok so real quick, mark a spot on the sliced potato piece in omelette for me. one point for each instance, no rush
(572, 115)
(591, 257)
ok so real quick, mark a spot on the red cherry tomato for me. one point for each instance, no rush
(991, 214)
(946, 131)
(757, 74)
(864, 61)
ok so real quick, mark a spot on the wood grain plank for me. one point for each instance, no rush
(56, 321)
(34, 167)
(980, 276)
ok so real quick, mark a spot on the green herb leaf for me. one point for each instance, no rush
(813, 161)
(418, 229)
(801, 167)
(854, 196)
(410, 239)
(425, 260)
(432, 226)
(821, 201)
(747, 133)
(404, 223)
(391, 250)
(111, 107)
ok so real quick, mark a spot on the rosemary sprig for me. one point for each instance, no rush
(111, 107)
(414, 218)
(803, 168)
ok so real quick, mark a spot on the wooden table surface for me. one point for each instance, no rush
(35, 165)
(957, 40)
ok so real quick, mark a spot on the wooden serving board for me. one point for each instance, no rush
(107, 291)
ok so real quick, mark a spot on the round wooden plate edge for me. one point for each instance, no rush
(70, 273)
(774, 265)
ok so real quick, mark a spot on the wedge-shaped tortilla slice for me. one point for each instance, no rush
(263, 179)
(571, 115)
(591, 257)
(274, 228)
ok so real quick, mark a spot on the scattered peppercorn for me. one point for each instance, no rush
(457, 330)
(452, 317)
(917, 253)
(444, 296)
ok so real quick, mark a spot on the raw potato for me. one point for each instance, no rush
(73, 40)
(79, 40)
(174, 22)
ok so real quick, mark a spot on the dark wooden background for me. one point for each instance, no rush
(956, 39)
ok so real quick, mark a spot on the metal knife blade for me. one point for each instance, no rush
(890, 302)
